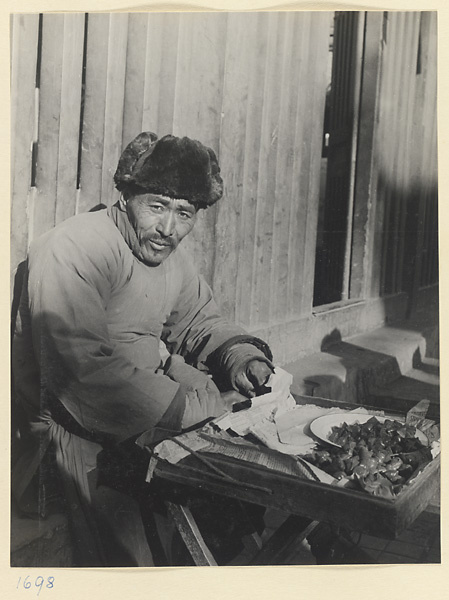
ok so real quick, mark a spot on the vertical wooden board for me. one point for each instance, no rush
(396, 121)
(153, 75)
(160, 73)
(428, 111)
(432, 113)
(433, 76)
(252, 173)
(409, 53)
(363, 265)
(284, 164)
(423, 156)
(417, 158)
(432, 194)
(407, 167)
(299, 202)
(386, 97)
(407, 65)
(432, 54)
(434, 275)
(377, 275)
(387, 148)
(319, 47)
(70, 110)
(417, 188)
(375, 285)
(25, 35)
(299, 58)
(258, 244)
(198, 100)
(184, 113)
(358, 57)
(209, 128)
(400, 69)
(303, 254)
(385, 144)
(383, 82)
(115, 94)
(136, 59)
(170, 60)
(414, 90)
(199, 79)
(430, 262)
(313, 91)
(49, 122)
(240, 43)
(430, 224)
(94, 110)
(408, 75)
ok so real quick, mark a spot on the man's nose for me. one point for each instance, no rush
(166, 224)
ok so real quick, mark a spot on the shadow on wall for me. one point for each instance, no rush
(406, 238)
(357, 371)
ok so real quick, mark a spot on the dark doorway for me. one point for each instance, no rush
(333, 250)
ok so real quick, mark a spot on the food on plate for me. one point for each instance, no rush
(379, 456)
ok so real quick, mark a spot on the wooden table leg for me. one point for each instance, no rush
(330, 546)
(284, 540)
(281, 544)
(188, 529)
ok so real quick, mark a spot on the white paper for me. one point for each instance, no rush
(293, 425)
(277, 401)
(172, 452)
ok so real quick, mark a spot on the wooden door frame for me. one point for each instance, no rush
(365, 183)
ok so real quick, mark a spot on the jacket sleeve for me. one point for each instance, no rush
(196, 330)
(68, 291)
(195, 327)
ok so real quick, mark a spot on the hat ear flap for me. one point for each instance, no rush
(216, 182)
(139, 146)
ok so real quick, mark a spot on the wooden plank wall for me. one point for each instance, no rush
(407, 153)
(24, 59)
(251, 86)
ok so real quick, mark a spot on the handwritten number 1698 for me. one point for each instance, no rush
(39, 583)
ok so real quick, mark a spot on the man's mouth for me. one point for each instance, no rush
(159, 245)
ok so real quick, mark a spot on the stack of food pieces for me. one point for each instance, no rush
(380, 455)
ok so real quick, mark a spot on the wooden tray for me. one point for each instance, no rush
(357, 510)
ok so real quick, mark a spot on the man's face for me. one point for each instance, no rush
(160, 224)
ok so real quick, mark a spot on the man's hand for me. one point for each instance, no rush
(252, 376)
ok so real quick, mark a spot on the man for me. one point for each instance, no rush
(101, 292)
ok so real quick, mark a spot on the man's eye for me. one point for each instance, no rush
(185, 215)
(157, 207)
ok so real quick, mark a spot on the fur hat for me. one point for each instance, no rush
(173, 167)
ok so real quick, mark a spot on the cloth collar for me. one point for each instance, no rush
(118, 214)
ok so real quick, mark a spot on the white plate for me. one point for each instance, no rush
(322, 426)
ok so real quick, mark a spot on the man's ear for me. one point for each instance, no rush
(126, 195)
